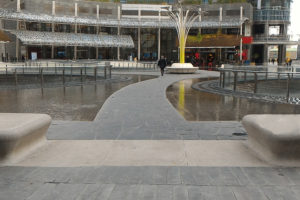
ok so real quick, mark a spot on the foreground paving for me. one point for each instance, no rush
(174, 183)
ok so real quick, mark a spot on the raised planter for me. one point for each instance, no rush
(21, 133)
(274, 137)
(182, 68)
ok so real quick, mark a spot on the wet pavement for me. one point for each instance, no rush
(80, 103)
(196, 105)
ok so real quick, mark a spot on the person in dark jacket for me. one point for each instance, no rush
(162, 63)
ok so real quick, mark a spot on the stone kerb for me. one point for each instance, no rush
(21, 133)
(274, 137)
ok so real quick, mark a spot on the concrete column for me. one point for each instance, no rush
(53, 29)
(18, 5)
(200, 19)
(97, 12)
(139, 43)
(241, 20)
(2, 46)
(18, 43)
(265, 56)
(158, 36)
(281, 54)
(97, 31)
(76, 14)
(139, 36)
(119, 18)
(158, 44)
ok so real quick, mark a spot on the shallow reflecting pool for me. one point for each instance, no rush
(195, 105)
(80, 103)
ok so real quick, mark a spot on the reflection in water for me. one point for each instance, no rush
(203, 106)
(80, 103)
(180, 105)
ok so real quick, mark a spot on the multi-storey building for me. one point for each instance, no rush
(70, 29)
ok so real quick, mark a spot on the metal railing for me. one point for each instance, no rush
(66, 75)
(277, 84)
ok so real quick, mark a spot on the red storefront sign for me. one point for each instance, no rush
(247, 40)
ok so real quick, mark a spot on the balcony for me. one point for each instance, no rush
(271, 37)
(272, 14)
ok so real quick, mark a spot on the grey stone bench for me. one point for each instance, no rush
(21, 133)
(274, 137)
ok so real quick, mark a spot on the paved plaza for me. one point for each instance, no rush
(140, 147)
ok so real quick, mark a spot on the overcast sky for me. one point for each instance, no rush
(295, 18)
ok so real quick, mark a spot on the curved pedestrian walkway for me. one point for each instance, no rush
(141, 111)
(139, 147)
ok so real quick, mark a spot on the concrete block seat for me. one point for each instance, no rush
(21, 133)
(274, 137)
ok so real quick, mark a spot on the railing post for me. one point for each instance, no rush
(71, 70)
(224, 75)
(245, 77)
(234, 81)
(255, 83)
(105, 72)
(42, 78)
(220, 79)
(55, 69)
(266, 76)
(81, 79)
(16, 78)
(288, 87)
(110, 67)
(6, 69)
(95, 73)
(63, 76)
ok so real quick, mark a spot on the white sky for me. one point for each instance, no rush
(295, 19)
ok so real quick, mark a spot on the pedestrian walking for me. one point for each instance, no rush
(162, 63)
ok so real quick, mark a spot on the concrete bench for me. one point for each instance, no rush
(21, 133)
(274, 137)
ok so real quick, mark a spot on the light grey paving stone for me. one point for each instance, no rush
(159, 175)
(119, 192)
(106, 191)
(180, 193)
(173, 176)
(91, 192)
(57, 191)
(149, 192)
(279, 192)
(134, 192)
(293, 174)
(80, 174)
(195, 176)
(265, 176)
(248, 193)
(221, 176)
(100, 175)
(241, 177)
(15, 173)
(165, 192)
(49, 174)
(225, 193)
(202, 192)
(17, 190)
